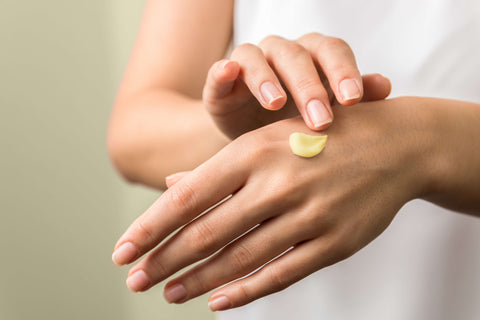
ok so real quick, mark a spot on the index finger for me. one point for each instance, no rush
(190, 197)
(337, 61)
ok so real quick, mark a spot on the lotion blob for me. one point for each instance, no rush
(306, 146)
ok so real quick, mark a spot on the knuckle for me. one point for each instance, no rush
(197, 284)
(252, 146)
(284, 188)
(241, 260)
(291, 50)
(279, 277)
(344, 246)
(244, 49)
(307, 84)
(201, 238)
(181, 196)
(269, 40)
(244, 292)
(316, 218)
(310, 36)
(309, 222)
(345, 251)
(155, 262)
(331, 43)
(144, 232)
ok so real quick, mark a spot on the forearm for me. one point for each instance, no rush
(455, 167)
(160, 132)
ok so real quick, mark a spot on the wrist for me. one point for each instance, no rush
(451, 161)
(416, 128)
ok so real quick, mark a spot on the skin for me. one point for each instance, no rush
(379, 156)
(173, 62)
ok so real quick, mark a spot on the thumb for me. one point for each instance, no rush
(220, 81)
(376, 87)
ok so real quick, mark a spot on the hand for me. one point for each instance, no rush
(318, 210)
(241, 93)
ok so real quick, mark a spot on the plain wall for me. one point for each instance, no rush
(62, 206)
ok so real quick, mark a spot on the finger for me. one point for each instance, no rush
(241, 257)
(188, 198)
(259, 76)
(337, 62)
(220, 80)
(201, 238)
(297, 70)
(174, 178)
(376, 87)
(277, 275)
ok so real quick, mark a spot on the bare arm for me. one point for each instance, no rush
(160, 95)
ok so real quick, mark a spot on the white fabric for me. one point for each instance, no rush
(426, 264)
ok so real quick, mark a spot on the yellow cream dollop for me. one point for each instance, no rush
(307, 146)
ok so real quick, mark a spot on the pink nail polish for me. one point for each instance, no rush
(176, 293)
(124, 254)
(219, 303)
(270, 92)
(318, 113)
(138, 281)
(349, 89)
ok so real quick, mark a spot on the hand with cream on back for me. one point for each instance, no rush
(379, 156)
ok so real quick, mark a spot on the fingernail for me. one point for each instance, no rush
(175, 294)
(270, 92)
(138, 281)
(224, 64)
(349, 89)
(124, 254)
(220, 303)
(318, 113)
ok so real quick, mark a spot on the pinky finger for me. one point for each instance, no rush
(277, 275)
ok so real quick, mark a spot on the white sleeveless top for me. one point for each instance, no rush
(426, 265)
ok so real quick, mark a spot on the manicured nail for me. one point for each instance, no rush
(318, 113)
(349, 89)
(270, 92)
(138, 281)
(219, 303)
(175, 294)
(124, 254)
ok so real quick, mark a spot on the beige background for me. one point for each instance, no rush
(62, 206)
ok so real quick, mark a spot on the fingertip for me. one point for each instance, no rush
(273, 96)
(376, 87)
(138, 281)
(387, 85)
(277, 103)
(124, 254)
(320, 127)
(227, 70)
(350, 91)
(219, 303)
(318, 115)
